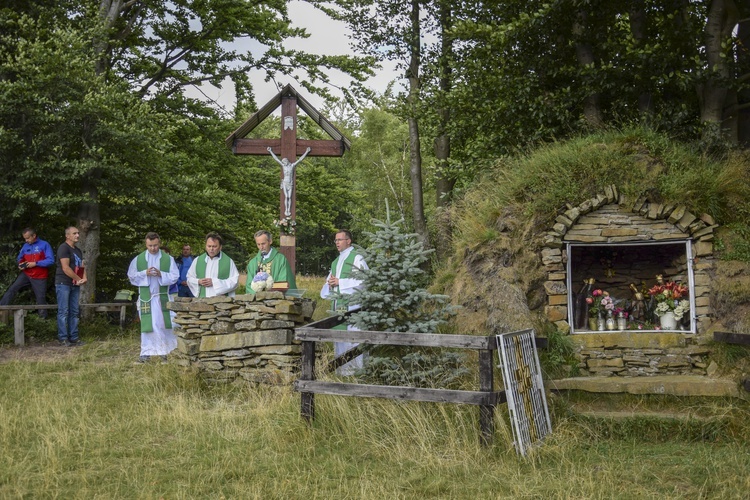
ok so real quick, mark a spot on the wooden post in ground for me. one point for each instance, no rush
(307, 372)
(18, 333)
(486, 384)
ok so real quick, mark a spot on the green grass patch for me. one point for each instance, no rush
(91, 424)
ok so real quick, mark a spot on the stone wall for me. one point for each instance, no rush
(627, 354)
(247, 337)
(610, 218)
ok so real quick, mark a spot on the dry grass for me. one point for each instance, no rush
(93, 425)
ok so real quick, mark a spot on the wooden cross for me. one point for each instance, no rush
(289, 147)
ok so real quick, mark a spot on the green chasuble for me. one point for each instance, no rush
(277, 266)
(346, 271)
(200, 269)
(144, 293)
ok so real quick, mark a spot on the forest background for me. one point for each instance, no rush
(98, 129)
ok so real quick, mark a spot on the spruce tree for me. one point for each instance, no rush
(392, 296)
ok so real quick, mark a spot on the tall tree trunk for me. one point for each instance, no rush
(89, 226)
(585, 54)
(640, 35)
(743, 105)
(415, 155)
(713, 93)
(445, 180)
(89, 219)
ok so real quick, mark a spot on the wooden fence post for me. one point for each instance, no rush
(486, 384)
(18, 316)
(307, 372)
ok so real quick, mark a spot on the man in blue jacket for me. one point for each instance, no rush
(33, 261)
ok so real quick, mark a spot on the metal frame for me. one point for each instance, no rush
(524, 389)
(688, 243)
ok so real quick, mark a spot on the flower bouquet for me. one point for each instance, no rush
(600, 304)
(261, 281)
(668, 306)
(287, 225)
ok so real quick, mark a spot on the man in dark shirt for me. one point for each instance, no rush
(69, 277)
(33, 260)
(183, 263)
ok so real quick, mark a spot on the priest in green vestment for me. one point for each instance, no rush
(339, 279)
(269, 260)
(153, 271)
(213, 273)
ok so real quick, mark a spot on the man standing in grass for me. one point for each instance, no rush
(339, 280)
(213, 273)
(153, 272)
(271, 261)
(69, 277)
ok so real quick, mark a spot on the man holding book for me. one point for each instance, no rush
(270, 261)
(69, 277)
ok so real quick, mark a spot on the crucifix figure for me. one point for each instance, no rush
(288, 147)
(287, 181)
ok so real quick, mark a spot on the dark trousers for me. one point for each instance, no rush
(38, 286)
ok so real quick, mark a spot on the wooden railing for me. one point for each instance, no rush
(19, 314)
(486, 397)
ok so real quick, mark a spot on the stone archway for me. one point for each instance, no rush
(610, 219)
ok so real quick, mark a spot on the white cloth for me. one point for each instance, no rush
(220, 287)
(347, 286)
(162, 340)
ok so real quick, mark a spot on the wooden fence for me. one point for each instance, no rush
(486, 397)
(19, 314)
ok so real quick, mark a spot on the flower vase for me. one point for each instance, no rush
(610, 323)
(600, 323)
(592, 323)
(668, 321)
(622, 322)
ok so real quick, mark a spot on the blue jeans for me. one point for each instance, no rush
(67, 312)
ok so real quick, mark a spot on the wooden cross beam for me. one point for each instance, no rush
(286, 150)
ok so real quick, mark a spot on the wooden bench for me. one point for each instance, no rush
(19, 314)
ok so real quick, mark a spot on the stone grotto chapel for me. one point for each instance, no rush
(620, 243)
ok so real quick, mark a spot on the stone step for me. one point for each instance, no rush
(631, 414)
(676, 385)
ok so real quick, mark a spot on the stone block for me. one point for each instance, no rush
(188, 346)
(273, 324)
(573, 214)
(194, 306)
(560, 229)
(278, 349)
(219, 299)
(557, 300)
(605, 363)
(555, 287)
(221, 327)
(685, 221)
(269, 295)
(564, 220)
(243, 339)
(556, 313)
(676, 214)
(619, 231)
(703, 248)
(287, 307)
(246, 325)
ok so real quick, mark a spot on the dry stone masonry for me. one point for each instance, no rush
(247, 337)
(609, 218)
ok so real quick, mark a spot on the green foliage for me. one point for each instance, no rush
(392, 296)
(638, 161)
(418, 368)
(559, 355)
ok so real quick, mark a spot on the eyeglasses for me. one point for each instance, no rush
(340, 239)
